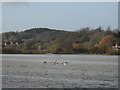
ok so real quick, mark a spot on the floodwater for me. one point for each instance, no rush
(81, 71)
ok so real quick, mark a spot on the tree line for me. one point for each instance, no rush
(45, 40)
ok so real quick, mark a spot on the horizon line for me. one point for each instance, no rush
(60, 29)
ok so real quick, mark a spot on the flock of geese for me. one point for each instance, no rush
(55, 62)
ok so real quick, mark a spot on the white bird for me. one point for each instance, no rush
(64, 63)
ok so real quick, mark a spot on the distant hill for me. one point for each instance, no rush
(44, 40)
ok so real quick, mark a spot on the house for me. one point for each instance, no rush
(10, 43)
(116, 47)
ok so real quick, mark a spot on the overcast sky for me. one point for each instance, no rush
(59, 15)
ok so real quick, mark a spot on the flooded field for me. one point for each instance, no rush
(81, 71)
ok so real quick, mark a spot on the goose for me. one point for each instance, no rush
(55, 62)
(64, 63)
(44, 62)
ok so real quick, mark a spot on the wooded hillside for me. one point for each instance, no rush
(44, 40)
